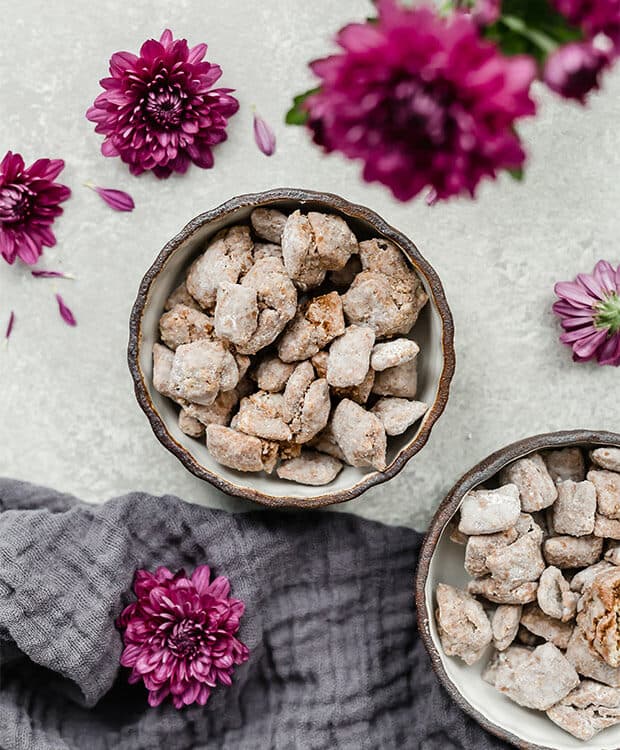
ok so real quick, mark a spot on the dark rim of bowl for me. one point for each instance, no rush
(354, 211)
(473, 478)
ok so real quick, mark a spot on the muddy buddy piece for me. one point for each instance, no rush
(227, 258)
(463, 626)
(183, 325)
(606, 527)
(266, 250)
(587, 710)
(397, 414)
(536, 488)
(489, 511)
(190, 425)
(325, 442)
(554, 595)
(575, 508)
(502, 592)
(612, 553)
(541, 680)
(583, 579)
(607, 458)
(588, 662)
(310, 468)
(344, 277)
(318, 322)
(268, 223)
(218, 412)
(393, 353)
(360, 435)
(335, 242)
(277, 302)
(501, 665)
(607, 485)
(598, 618)
(540, 624)
(261, 414)
(236, 312)
(314, 411)
(517, 563)
(162, 367)
(566, 463)
(202, 369)
(272, 374)
(349, 357)
(234, 449)
(180, 296)
(480, 546)
(572, 552)
(505, 625)
(400, 381)
(295, 392)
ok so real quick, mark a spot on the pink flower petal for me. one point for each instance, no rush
(605, 275)
(119, 200)
(65, 312)
(42, 274)
(10, 326)
(609, 354)
(573, 292)
(587, 347)
(264, 136)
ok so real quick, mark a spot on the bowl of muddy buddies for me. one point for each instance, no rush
(291, 348)
(518, 592)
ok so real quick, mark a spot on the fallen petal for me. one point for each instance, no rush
(65, 312)
(9, 328)
(51, 275)
(264, 136)
(119, 200)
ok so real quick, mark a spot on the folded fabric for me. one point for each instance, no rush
(335, 659)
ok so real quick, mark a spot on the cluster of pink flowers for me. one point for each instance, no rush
(425, 101)
(180, 635)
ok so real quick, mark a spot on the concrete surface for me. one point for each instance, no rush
(68, 417)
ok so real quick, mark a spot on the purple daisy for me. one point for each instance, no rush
(159, 111)
(180, 635)
(29, 202)
(589, 309)
(423, 101)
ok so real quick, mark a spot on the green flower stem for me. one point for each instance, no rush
(608, 314)
(540, 39)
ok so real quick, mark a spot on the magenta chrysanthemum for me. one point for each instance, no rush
(593, 16)
(179, 635)
(574, 70)
(589, 308)
(423, 101)
(159, 111)
(29, 202)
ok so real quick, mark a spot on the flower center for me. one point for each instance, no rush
(419, 111)
(608, 313)
(185, 638)
(164, 106)
(15, 203)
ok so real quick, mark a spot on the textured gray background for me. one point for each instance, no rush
(68, 417)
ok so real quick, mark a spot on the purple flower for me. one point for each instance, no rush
(593, 17)
(589, 308)
(423, 101)
(486, 12)
(574, 70)
(159, 111)
(119, 200)
(179, 635)
(29, 202)
(10, 326)
(65, 312)
(264, 136)
(51, 275)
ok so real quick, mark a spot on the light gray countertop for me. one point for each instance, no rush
(68, 417)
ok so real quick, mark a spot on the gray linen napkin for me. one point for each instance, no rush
(330, 623)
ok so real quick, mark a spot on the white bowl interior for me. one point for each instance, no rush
(427, 333)
(446, 566)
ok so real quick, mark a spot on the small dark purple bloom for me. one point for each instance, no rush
(589, 309)
(65, 312)
(264, 136)
(574, 70)
(159, 111)
(423, 101)
(51, 275)
(593, 17)
(10, 326)
(180, 635)
(119, 200)
(29, 202)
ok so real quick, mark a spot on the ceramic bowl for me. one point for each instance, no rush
(441, 561)
(434, 333)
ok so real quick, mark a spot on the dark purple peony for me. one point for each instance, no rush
(180, 635)
(159, 111)
(423, 101)
(29, 202)
(575, 69)
(593, 17)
